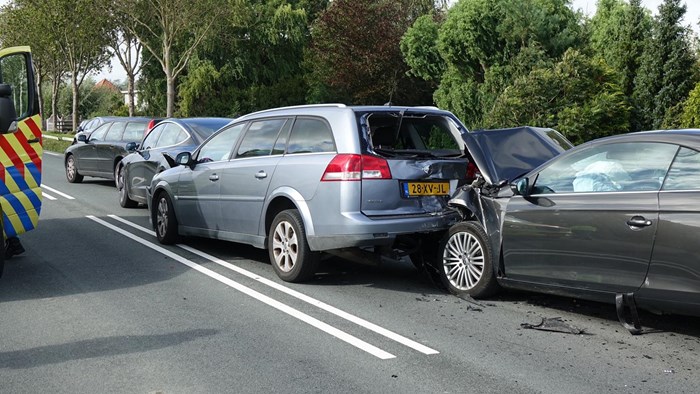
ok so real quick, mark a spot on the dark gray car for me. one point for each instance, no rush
(614, 220)
(100, 151)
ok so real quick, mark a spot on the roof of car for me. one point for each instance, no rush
(296, 109)
(689, 137)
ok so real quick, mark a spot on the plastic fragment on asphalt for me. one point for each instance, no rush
(554, 324)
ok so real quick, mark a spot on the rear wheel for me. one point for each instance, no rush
(289, 252)
(466, 261)
(124, 199)
(166, 223)
(72, 171)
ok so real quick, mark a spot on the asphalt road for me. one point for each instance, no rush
(96, 305)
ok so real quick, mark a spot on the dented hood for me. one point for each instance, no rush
(505, 154)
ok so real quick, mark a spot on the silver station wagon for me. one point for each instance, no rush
(363, 183)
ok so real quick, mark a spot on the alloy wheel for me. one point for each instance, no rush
(463, 260)
(162, 217)
(285, 246)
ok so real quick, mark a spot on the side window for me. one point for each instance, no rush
(100, 132)
(608, 168)
(685, 171)
(310, 135)
(133, 131)
(115, 132)
(220, 146)
(260, 138)
(172, 135)
(13, 72)
(150, 141)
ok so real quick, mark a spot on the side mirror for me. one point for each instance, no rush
(82, 138)
(131, 146)
(521, 188)
(8, 115)
(183, 159)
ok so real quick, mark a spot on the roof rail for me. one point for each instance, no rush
(328, 105)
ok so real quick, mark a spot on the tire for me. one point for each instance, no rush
(124, 199)
(164, 219)
(289, 252)
(466, 262)
(72, 174)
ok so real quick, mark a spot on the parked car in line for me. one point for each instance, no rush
(157, 151)
(89, 125)
(99, 152)
(613, 220)
(363, 183)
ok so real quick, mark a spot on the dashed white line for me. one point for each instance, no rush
(328, 308)
(49, 197)
(64, 195)
(360, 344)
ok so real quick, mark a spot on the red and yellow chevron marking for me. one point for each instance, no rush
(20, 173)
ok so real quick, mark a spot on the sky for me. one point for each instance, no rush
(692, 17)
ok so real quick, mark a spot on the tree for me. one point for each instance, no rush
(129, 51)
(254, 59)
(25, 26)
(666, 73)
(578, 96)
(355, 51)
(78, 28)
(690, 116)
(163, 25)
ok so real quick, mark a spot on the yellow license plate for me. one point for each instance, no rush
(411, 189)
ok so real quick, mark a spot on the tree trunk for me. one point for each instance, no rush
(76, 97)
(55, 87)
(170, 94)
(130, 93)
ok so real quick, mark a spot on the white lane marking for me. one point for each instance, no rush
(57, 192)
(343, 336)
(328, 308)
(52, 153)
(49, 197)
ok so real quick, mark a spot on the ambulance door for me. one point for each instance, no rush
(20, 142)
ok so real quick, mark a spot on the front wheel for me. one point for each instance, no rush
(466, 261)
(165, 220)
(289, 252)
(72, 170)
(124, 199)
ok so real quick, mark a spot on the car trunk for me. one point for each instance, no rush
(415, 161)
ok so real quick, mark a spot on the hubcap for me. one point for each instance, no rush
(463, 260)
(70, 168)
(162, 217)
(285, 248)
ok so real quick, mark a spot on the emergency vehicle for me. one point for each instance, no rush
(20, 145)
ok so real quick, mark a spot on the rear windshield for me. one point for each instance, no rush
(412, 134)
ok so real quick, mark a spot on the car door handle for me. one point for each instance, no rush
(638, 221)
(261, 174)
(213, 177)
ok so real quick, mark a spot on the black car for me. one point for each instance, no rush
(157, 152)
(613, 220)
(89, 125)
(99, 152)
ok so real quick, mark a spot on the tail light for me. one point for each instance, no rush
(472, 170)
(349, 167)
(150, 125)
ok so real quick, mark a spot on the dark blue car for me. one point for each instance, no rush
(154, 154)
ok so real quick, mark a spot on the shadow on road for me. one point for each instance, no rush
(98, 347)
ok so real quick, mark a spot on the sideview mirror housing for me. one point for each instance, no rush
(82, 138)
(131, 146)
(183, 158)
(521, 188)
(8, 115)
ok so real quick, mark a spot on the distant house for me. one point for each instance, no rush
(106, 84)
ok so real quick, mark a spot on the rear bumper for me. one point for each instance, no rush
(358, 230)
